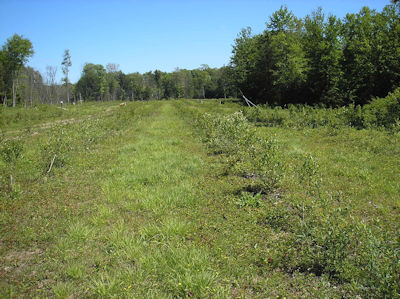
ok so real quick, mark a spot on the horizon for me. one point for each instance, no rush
(142, 37)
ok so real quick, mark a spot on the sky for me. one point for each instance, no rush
(145, 35)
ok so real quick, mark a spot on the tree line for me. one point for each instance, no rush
(109, 83)
(317, 59)
(23, 85)
(320, 59)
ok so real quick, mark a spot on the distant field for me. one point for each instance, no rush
(195, 199)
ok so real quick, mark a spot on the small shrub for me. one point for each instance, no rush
(248, 199)
(247, 155)
(226, 134)
(56, 148)
(11, 150)
(380, 112)
(309, 175)
(383, 112)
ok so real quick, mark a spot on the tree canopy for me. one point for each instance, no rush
(319, 59)
(14, 54)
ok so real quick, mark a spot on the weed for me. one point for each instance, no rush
(309, 175)
(10, 152)
(248, 199)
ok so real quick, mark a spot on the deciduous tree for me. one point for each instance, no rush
(15, 53)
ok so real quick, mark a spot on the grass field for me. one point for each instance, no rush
(167, 199)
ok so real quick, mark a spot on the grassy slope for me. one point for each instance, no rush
(150, 214)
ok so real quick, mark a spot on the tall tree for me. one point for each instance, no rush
(323, 51)
(226, 81)
(66, 63)
(288, 61)
(3, 75)
(92, 85)
(16, 52)
(112, 78)
(157, 79)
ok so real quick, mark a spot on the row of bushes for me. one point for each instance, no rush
(246, 154)
(318, 231)
(380, 113)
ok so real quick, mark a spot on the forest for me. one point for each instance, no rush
(317, 60)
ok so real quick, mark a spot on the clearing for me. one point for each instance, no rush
(137, 206)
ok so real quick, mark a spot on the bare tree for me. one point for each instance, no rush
(112, 67)
(51, 72)
(32, 82)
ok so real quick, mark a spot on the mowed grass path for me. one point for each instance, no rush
(148, 213)
(149, 194)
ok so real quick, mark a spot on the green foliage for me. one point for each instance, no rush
(379, 113)
(317, 230)
(323, 51)
(309, 174)
(14, 54)
(92, 84)
(320, 60)
(247, 154)
(66, 62)
(11, 150)
(248, 199)
(203, 82)
(324, 237)
(383, 112)
(335, 243)
(277, 217)
(57, 148)
(226, 133)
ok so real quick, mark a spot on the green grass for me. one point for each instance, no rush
(42, 116)
(136, 205)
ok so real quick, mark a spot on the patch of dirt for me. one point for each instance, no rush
(62, 121)
(16, 261)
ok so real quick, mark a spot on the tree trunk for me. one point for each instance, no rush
(48, 89)
(13, 94)
(5, 100)
(67, 90)
(30, 96)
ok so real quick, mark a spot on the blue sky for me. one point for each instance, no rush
(145, 35)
